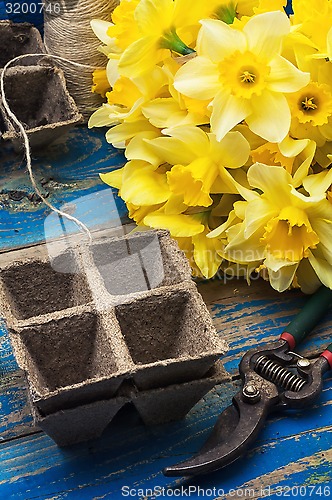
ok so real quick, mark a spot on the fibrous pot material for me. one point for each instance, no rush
(98, 326)
(17, 39)
(38, 97)
(35, 89)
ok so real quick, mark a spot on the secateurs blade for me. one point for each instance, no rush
(273, 377)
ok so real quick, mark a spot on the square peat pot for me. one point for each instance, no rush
(94, 327)
(139, 262)
(38, 96)
(69, 360)
(155, 406)
(167, 404)
(17, 39)
(170, 336)
(75, 425)
(32, 286)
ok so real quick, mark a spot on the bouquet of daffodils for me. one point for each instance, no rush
(224, 111)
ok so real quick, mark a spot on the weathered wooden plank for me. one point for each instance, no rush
(68, 171)
(245, 312)
(250, 316)
(7, 361)
(15, 415)
(130, 454)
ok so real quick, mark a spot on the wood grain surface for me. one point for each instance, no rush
(293, 450)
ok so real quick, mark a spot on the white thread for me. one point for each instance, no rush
(12, 115)
(68, 33)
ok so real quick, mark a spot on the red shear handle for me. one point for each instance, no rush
(327, 354)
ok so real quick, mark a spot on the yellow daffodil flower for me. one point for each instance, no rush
(281, 227)
(173, 109)
(199, 161)
(311, 109)
(224, 112)
(294, 155)
(124, 107)
(243, 75)
(163, 26)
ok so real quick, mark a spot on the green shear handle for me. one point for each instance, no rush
(313, 311)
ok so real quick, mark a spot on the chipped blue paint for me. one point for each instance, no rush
(7, 361)
(265, 307)
(130, 454)
(73, 164)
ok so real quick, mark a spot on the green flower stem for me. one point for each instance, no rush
(170, 40)
(227, 13)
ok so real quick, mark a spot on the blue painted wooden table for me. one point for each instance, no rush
(291, 458)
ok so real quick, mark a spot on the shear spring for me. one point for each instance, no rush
(279, 375)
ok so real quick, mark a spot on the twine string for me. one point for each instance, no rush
(68, 33)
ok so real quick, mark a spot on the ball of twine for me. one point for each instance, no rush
(68, 34)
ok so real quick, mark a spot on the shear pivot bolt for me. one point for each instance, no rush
(303, 363)
(251, 393)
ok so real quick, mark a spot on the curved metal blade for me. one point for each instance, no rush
(234, 432)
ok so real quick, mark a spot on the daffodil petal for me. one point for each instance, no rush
(164, 112)
(113, 178)
(227, 111)
(257, 214)
(275, 182)
(112, 71)
(138, 149)
(101, 117)
(194, 139)
(318, 183)
(307, 278)
(322, 268)
(174, 205)
(179, 225)
(216, 40)
(142, 185)
(292, 147)
(233, 150)
(171, 150)
(151, 14)
(198, 78)
(265, 32)
(329, 43)
(205, 254)
(242, 249)
(270, 117)
(127, 130)
(139, 57)
(285, 77)
(100, 27)
(282, 278)
(323, 229)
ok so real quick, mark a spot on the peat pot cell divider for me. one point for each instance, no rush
(140, 262)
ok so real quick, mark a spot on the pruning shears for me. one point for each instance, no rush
(273, 378)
